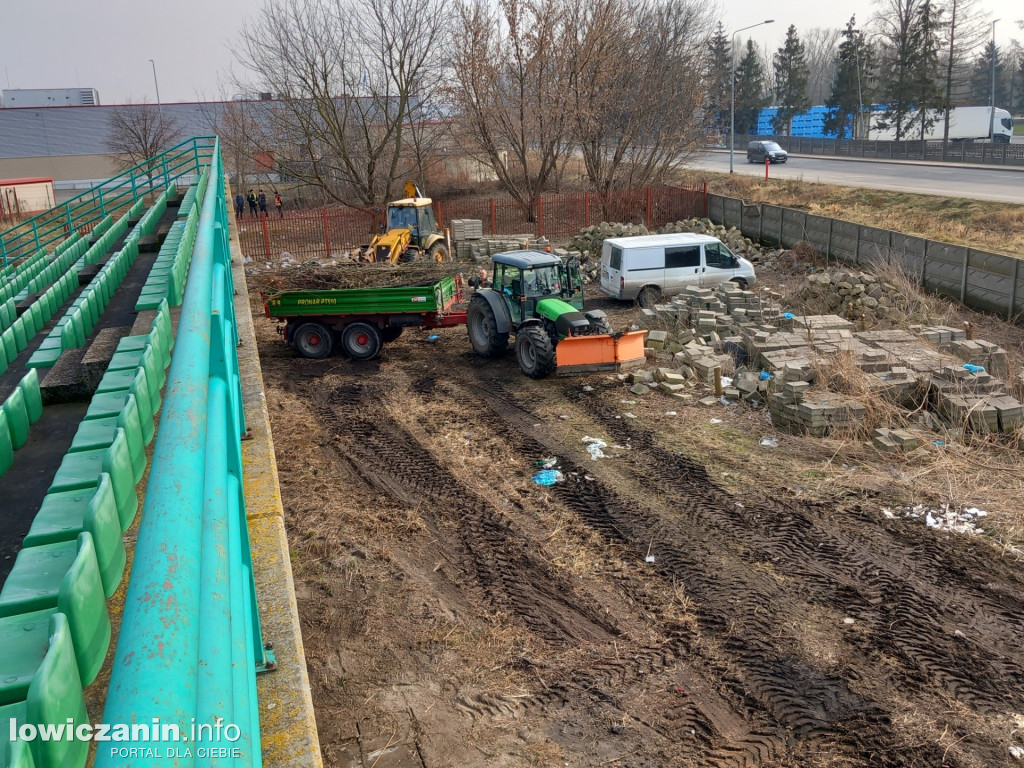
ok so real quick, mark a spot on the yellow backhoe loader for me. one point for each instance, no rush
(411, 234)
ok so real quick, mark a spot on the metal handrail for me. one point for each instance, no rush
(87, 208)
(190, 642)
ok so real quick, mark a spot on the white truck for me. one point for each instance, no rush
(965, 124)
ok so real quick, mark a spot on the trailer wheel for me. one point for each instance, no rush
(391, 332)
(483, 329)
(438, 253)
(535, 352)
(361, 341)
(312, 340)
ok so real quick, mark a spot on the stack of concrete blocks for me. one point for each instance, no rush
(898, 385)
(975, 400)
(466, 229)
(483, 249)
(799, 409)
(895, 440)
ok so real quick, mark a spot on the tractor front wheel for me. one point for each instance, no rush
(361, 341)
(312, 340)
(535, 352)
(483, 329)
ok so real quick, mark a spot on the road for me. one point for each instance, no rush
(982, 183)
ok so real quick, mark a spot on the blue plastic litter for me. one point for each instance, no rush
(974, 368)
(765, 376)
(789, 316)
(938, 443)
(547, 477)
(433, 337)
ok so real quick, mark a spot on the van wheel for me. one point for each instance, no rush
(740, 282)
(649, 296)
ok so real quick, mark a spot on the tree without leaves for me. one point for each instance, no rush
(654, 51)
(1015, 86)
(963, 29)
(137, 132)
(820, 54)
(350, 78)
(511, 90)
(851, 86)
(791, 76)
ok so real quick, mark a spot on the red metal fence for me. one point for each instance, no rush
(330, 232)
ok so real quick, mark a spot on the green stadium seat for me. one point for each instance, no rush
(35, 312)
(34, 581)
(21, 334)
(17, 754)
(29, 385)
(18, 423)
(99, 433)
(7, 314)
(25, 637)
(3, 358)
(6, 444)
(125, 362)
(10, 344)
(104, 405)
(83, 469)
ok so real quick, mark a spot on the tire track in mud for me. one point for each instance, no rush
(917, 617)
(389, 458)
(811, 707)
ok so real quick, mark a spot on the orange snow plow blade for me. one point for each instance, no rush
(594, 354)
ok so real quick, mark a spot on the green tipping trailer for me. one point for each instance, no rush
(361, 320)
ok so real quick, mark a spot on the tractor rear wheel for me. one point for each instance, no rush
(312, 340)
(361, 341)
(534, 352)
(438, 253)
(483, 329)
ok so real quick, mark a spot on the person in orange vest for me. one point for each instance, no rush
(279, 204)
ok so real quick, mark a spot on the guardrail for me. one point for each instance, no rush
(84, 211)
(982, 153)
(190, 642)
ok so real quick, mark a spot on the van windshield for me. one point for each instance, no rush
(771, 146)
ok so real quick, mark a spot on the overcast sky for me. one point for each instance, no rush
(107, 44)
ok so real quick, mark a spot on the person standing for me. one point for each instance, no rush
(262, 198)
(239, 204)
(279, 204)
(251, 197)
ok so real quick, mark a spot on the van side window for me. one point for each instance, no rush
(615, 261)
(718, 256)
(682, 256)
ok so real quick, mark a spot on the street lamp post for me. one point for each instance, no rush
(992, 116)
(157, 86)
(732, 81)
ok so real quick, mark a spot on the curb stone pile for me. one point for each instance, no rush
(590, 239)
(857, 295)
(772, 357)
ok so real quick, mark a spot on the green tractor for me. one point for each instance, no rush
(538, 298)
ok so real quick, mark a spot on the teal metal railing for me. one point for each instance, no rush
(111, 197)
(190, 642)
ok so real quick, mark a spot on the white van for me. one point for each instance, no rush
(649, 267)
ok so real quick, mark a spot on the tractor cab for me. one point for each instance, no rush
(416, 215)
(527, 278)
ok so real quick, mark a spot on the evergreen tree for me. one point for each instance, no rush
(750, 90)
(1016, 86)
(791, 76)
(850, 87)
(925, 72)
(718, 78)
(981, 77)
(908, 36)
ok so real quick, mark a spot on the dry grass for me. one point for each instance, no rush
(997, 227)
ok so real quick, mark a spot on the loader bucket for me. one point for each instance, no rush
(594, 354)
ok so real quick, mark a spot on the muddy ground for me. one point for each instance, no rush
(457, 614)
